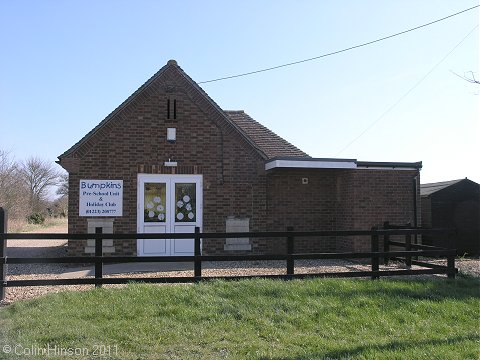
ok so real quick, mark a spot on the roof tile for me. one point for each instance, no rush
(266, 140)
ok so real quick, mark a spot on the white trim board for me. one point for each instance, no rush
(338, 164)
(311, 164)
(385, 168)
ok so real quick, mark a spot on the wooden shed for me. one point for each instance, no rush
(453, 204)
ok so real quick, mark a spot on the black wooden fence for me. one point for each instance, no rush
(289, 256)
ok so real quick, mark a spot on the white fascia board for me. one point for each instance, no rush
(307, 164)
(386, 168)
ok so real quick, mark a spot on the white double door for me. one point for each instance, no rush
(168, 204)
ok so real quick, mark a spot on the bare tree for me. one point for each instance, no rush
(8, 170)
(61, 204)
(12, 191)
(470, 78)
(63, 185)
(38, 175)
(59, 207)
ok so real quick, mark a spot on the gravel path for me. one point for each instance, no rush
(466, 266)
(38, 248)
(58, 248)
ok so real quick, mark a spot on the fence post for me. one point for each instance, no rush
(3, 252)
(197, 270)
(98, 253)
(386, 243)
(451, 264)
(408, 247)
(374, 249)
(451, 255)
(290, 251)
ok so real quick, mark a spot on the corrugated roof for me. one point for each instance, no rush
(428, 189)
(266, 140)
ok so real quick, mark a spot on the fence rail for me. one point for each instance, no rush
(290, 256)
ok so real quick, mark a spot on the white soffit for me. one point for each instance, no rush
(311, 164)
(386, 168)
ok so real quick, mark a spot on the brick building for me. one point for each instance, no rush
(169, 159)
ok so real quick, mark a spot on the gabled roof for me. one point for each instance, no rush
(270, 143)
(110, 116)
(428, 189)
(264, 141)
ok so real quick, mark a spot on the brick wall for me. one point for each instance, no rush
(383, 195)
(305, 207)
(135, 140)
(335, 199)
(345, 196)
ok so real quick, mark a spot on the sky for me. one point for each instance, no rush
(65, 65)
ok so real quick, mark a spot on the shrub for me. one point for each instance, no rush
(36, 219)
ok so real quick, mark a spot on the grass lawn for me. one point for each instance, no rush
(254, 319)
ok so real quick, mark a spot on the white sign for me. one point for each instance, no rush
(101, 197)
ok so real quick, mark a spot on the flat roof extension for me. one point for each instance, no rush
(329, 163)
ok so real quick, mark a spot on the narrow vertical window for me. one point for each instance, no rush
(175, 109)
(168, 108)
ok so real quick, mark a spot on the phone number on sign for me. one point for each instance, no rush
(101, 211)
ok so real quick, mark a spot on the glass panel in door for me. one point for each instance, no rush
(155, 217)
(185, 216)
(154, 205)
(185, 202)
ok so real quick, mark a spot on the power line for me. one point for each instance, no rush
(338, 51)
(407, 93)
